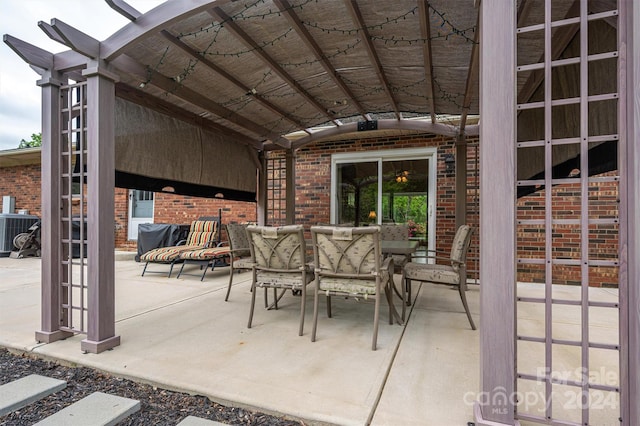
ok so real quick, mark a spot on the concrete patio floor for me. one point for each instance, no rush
(180, 334)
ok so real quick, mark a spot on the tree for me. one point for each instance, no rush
(36, 140)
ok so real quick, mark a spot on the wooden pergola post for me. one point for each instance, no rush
(100, 210)
(461, 180)
(497, 212)
(261, 201)
(291, 187)
(52, 316)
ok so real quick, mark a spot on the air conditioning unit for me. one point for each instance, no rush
(10, 226)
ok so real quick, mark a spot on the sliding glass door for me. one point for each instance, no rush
(396, 186)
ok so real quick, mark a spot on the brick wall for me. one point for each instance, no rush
(566, 238)
(171, 208)
(22, 182)
(313, 187)
(313, 179)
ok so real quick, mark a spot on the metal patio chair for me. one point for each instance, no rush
(453, 274)
(240, 253)
(348, 262)
(278, 255)
(399, 232)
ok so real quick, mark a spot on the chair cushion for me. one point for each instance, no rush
(202, 232)
(440, 274)
(204, 253)
(348, 285)
(281, 279)
(165, 254)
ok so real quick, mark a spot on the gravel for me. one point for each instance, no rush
(157, 406)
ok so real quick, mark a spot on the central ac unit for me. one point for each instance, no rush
(10, 226)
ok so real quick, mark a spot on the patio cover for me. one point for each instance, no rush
(278, 74)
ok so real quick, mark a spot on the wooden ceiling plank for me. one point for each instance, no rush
(425, 30)
(240, 34)
(76, 39)
(308, 39)
(29, 53)
(356, 15)
(124, 9)
(230, 78)
(129, 65)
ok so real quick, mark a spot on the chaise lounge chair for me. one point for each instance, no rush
(202, 234)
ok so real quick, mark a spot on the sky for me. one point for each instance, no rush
(19, 94)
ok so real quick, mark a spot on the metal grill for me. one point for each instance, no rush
(73, 244)
(575, 378)
(276, 190)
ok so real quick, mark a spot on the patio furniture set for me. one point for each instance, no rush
(357, 262)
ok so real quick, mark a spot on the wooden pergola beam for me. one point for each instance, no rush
(308, 39)
(127, 64)
(150, 23)
(425, 31)
(124, 9)
(230, 78)
(51, 33)
(241, 35)
(472, 78)
(356, 15)
(29, 53)
(76, 39)
(390, 124)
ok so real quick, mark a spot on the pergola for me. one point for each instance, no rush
(189, 97)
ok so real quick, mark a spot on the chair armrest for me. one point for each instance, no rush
(181, 242)
(387, 263)
(419, 256)
(437, 251)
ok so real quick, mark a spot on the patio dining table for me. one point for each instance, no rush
(402, 248)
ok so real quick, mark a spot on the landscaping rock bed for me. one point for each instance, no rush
(158, 406)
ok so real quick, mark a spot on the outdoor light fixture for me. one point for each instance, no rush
(450, 163)
(169, 189)
(372, 215)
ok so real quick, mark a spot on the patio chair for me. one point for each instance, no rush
(202, 234)
(278, 255)
(348, 262)
(453, 274)
(240, 253)
(393, 232)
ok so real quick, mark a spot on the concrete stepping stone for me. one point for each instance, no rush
(21, 392)
(96, 409)
(197, 421)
